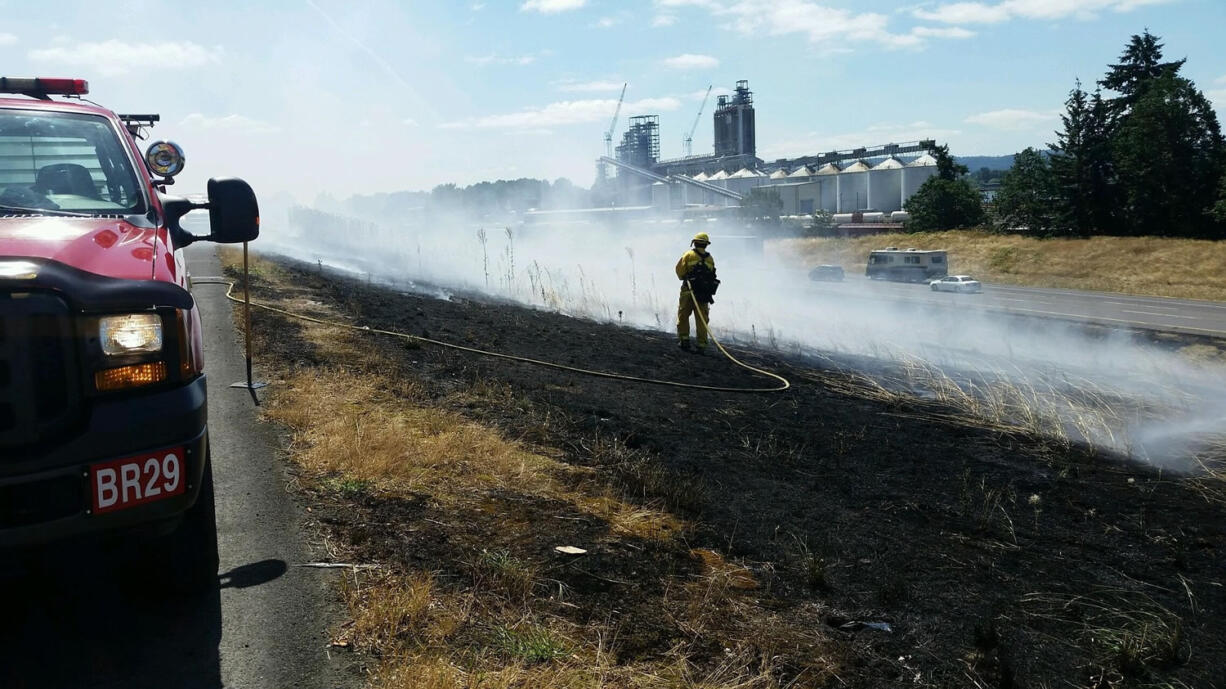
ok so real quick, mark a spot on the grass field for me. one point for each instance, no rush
(816, 538)
(1158, 266)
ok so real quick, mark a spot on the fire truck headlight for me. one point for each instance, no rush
(136, 333)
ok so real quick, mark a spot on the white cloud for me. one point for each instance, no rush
(551, 6)
(115, 57)
(831, 28)
(496, 59)
(715, 93)
(240, 124)
(7, 39)
(942, 32)
(409, 122)
(606, 22)
(477, 6)
(661, 20)
(1217, 97)
(993, 13)
(1220, 80)
(591, 86)
(964, 13)
(1013, 120)
(691, 61)
(563, 113)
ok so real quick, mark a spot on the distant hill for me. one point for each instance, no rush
(990, 162)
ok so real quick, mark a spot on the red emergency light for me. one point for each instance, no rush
(43, 87)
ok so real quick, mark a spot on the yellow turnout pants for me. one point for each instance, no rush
(685, 309)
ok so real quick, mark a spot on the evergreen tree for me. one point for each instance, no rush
(947, 169)
(944, 204)
(1169, 153)
(1219, 209)
(947, 201)
(1086, 196)
(1139, 65)
(1026, 200)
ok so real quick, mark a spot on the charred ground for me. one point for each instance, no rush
(995, 559)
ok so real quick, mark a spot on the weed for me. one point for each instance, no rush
(485, 256)
(511, 575)
(530, 644)
(985, 508)
(772, 450)
(510, 260)
(390, 612)
(1130, 631)
(643, 479)
(348, 488)
(815, 572)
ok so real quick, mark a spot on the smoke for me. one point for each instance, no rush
(1101, 387)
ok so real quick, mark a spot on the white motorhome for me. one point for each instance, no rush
(907, 265)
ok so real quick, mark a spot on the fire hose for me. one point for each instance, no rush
(784, 384)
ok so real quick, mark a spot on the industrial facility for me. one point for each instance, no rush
(871, 182)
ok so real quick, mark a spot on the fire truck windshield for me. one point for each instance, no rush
(64, 163)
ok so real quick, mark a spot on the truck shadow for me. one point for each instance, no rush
(94, 626)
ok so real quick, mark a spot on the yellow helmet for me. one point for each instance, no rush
(701, 238)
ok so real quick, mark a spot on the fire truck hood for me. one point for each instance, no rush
(103, 246)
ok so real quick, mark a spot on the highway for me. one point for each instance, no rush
(1162, 314)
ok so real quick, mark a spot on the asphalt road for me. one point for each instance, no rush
(79, 621)
(1106, 308)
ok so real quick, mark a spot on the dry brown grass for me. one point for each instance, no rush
(1160, 266)
(356, 433)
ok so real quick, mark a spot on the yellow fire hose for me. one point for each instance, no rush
(784, 384)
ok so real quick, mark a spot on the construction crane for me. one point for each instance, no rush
(608, 136)
(688, 143)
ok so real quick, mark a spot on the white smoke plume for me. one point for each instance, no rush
(1104, 388)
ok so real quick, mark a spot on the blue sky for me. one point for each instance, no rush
(351, 97)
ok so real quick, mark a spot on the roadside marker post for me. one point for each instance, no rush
(251, 385)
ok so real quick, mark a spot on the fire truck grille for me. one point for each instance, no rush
(38, 380)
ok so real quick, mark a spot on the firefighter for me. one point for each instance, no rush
(696, 270)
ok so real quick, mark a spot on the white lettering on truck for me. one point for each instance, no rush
(107, 493)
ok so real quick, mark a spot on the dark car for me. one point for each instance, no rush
(826, 273)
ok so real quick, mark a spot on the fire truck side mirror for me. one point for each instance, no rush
(234, 215)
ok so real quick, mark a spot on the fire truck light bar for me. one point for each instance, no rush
(35, 86)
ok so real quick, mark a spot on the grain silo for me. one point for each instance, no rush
(885, 185)
(916, 173)
(852, 184)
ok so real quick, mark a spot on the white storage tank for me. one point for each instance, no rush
(916, 173)
(873, 217)
(853, 187)
(900, 216)
(661, 197)
(885, 185)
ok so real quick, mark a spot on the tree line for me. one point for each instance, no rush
(1148, 159)
(499, 197)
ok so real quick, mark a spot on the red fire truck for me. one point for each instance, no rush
(103, 428)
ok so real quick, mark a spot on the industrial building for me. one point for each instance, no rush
(876, 180)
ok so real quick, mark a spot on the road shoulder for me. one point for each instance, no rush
(276, 615)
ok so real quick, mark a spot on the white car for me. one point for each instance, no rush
(956, 283)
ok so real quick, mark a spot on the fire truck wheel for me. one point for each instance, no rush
(186, 560)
